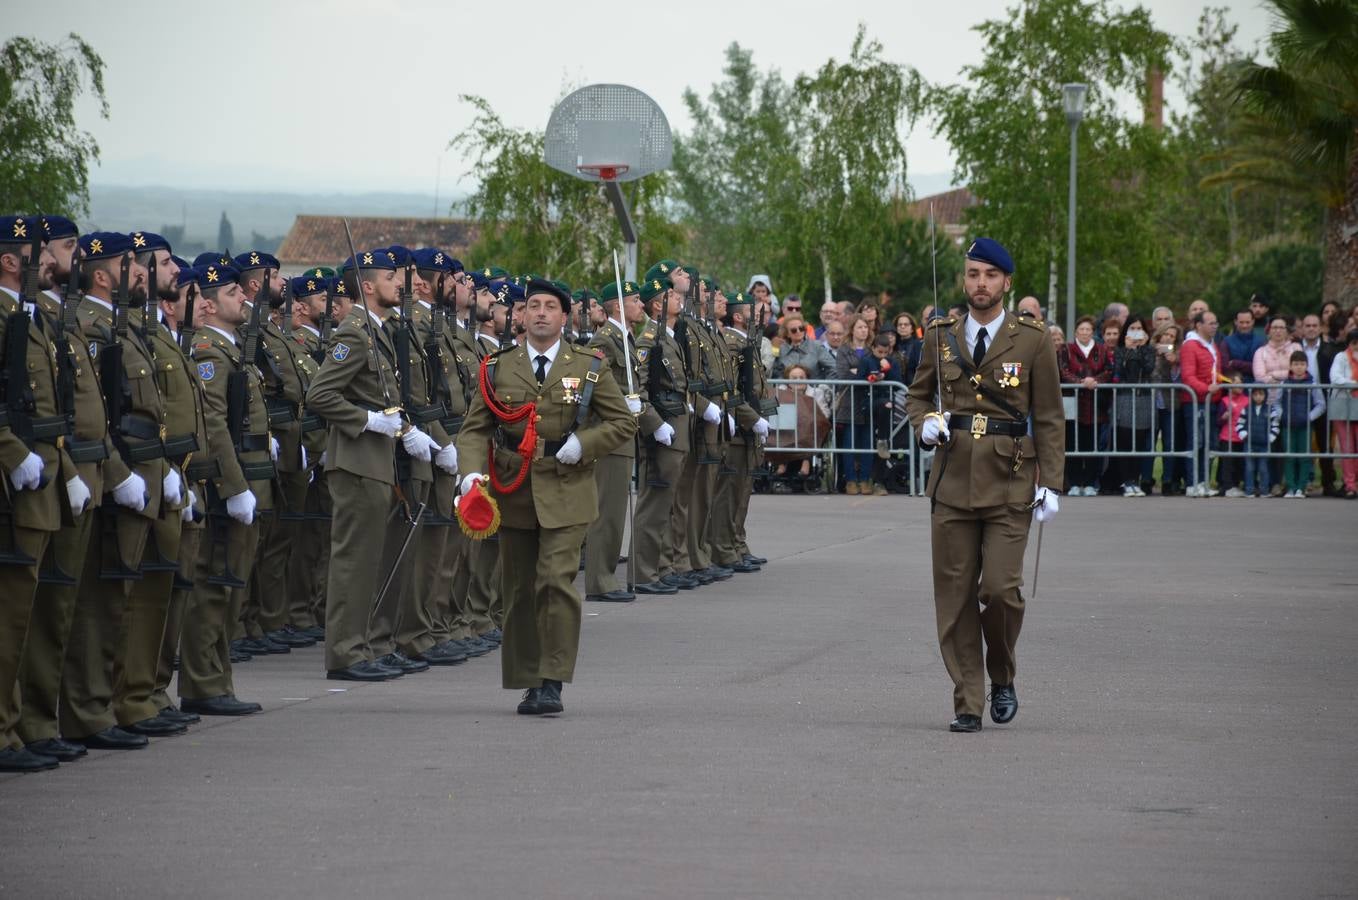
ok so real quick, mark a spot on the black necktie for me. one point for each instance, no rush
(979, 353)
(542, 368)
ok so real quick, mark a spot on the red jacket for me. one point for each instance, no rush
(1198, 368)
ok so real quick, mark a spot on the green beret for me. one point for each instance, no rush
(661, 270)
(738, 298)
(610, 290)
(692, 271)
(710, 284)
(651, 287)
(585, 294)
(561, 285)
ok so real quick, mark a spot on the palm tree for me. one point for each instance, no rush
(1300, 125)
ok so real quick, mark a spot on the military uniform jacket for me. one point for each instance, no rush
(346, 390)
(184, 403)
(608, 340)
(305, 347)
(704, 368)
(746, 408)
(91, 416)
(420, 395)
(664, 384)
(993, 469)
(553, 495)
(38, 509)
(215, 357)
(96, 327)
(285, 385)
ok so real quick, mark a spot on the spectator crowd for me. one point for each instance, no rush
(1256, 405)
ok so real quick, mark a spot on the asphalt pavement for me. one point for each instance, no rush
(1187, 729)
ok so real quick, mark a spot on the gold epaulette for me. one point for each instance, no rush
(946, 320)
(1033, 323)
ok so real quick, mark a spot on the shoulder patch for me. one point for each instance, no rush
(643, 352)
(203, 345)
(94, 349)
(341, 352)
(1033, 323)
(206, 370)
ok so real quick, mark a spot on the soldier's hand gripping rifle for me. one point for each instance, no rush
(238, 382)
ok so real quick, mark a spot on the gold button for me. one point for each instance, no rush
(979, 397)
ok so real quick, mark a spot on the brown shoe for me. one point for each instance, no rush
(879, 490)
(865, 488)
(851, 488)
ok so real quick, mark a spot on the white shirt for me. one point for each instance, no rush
(973, 328)
(313, 330)
(104, 303)
(1312, 353)
(425, 304)
(550, 353)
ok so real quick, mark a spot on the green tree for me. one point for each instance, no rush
(44, 156)
(534, 218)
(1300, 128)
(797, 180)
(1006, 124)
(1289, 273)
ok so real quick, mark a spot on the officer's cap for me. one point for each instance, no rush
(103, 245)
(610, 290)
(54, 228)
(254, 259)
(148, 242)
(308, 285)
(558, 290)
(990, 251)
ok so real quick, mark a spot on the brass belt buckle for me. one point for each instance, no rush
(978, 425)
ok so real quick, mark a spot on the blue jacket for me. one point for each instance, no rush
(1240, 350)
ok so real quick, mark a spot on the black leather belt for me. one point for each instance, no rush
(258, 471)
(281, 411)
(451, 424)
(142, 430)
(311, 422)
(86, 451)
(179, 446)
(202, 470)
(50, 428)
(250, 443)
(978, 425)
(423, 415)
(144, 451)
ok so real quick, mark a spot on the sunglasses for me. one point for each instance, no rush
(794, 331)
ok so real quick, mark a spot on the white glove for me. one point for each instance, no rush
(419, 445)
(131, 493)
(1046, 505)
(570, 452)
(634, 405)
(171, 484)
(935, 430)
(304, 465)
(664, 434)
(242, 507)
(761, 427)
(446, 459)
(730, 424)
(273, 448)
(28, 474)
(466, 486)
(323, 458)
(383, 423)
(186, 514)
(711, 415)
(78, 494)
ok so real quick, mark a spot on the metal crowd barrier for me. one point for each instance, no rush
(1340, 409)
(813, 421)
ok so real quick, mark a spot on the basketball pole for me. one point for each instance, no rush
(629, 232)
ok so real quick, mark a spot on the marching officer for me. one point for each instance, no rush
(664, 427)
(545, 489)
(238, 486)
(994, 375)
(357, 394)
(613, 473)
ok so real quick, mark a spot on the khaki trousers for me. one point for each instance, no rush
(18, 587)
(361, 508)
(603, 539)
(205, 635)
(542, 606)
(659, 478)
(190, 541)
(143, 632)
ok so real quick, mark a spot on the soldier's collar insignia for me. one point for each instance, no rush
(341, 352)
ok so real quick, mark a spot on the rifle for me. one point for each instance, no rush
(287, 308)
(186, 326)
(442, 393)
(66, 324)
(507, 336)
(117, 392)
(238, 382)
(19, 403)
(327, 325)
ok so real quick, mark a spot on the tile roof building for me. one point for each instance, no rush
(320, 240)
(949, 209)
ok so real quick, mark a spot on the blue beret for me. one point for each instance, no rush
(215, 276)
(253, 259)
(20, 229)
(434, 260)
(336, 286)
(377, 258)
(988, 251)
(54, 228)
(309, 285)
(148, 241)
(213, 257)
(480, 280)
(104, 245)
(187, 274)
(399, 255)
(507, 292)
(180, 261)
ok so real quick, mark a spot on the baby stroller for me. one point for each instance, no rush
(799, 427)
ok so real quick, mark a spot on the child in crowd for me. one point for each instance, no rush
(1258, 429)
(1299, 409)
(1232, 406)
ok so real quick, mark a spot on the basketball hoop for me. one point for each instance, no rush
(601, 171)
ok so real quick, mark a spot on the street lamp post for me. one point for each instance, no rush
(1073, 97)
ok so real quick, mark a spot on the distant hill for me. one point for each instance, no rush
(257, 219)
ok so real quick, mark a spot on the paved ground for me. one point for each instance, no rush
(1187, 730)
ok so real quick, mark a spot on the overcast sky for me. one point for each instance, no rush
(316, 71)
